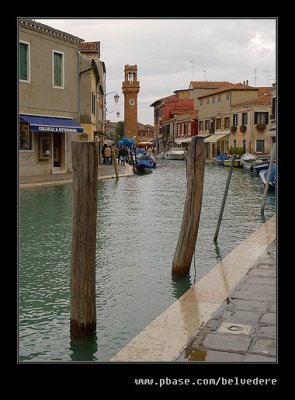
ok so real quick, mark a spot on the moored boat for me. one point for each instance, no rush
(272, 180)
(145, 164)
(248, 160)
(227, 163)
(175, 153)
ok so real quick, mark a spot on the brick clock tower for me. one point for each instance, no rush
(130, 89)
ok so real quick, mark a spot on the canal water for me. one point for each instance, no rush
(138, 223)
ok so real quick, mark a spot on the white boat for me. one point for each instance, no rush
(175, 153)
(247, 160)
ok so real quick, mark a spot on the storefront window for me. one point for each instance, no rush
(25, 137)
(44, 147)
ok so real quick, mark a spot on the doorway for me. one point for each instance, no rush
(59, 153)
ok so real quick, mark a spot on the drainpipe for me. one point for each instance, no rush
(78, 89)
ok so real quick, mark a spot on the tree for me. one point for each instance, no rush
(120, 130)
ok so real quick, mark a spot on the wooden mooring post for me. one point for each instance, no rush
(272, 156)
(224, 196)
(83, 287)
(195, 167)
(114, 161)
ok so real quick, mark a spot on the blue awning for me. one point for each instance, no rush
(49, 124)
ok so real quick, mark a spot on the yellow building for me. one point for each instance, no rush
(234, 116)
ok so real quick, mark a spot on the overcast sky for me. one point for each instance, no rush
(169, 53)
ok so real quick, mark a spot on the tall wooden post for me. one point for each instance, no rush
(114, 161)
(224, 196)
(195, 166)
(272, 156)
(83, 299)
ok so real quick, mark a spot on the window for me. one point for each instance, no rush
(226, 123)
(260, 146)
(24, 61)
(201, 125)
(244, 118)
(235, 119)
(25, 137)
(261, 118)
(273, 107)
(244, 145)
(207, 125)
(219, 97)
(218, 123)
(227, 95)
(57, 69)
(93, 103)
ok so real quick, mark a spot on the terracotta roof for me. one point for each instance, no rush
(208, 84)
(266, 99)
(188, 115)
(163, 99)
(264, 89)
(90, 46)
(230, 87)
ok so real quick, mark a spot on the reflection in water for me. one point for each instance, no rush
(219, 255)
(180, 285)
(83, 348)
(138, 223)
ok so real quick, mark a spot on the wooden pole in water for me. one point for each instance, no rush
(195, 166)
(267, 178)
(224, 196)
(114, 161)
(83, 299)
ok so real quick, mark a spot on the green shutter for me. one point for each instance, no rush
(23, 61)
(57, 69)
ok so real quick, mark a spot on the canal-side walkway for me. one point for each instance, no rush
(227, 316)
(104, 172)
(243, 329)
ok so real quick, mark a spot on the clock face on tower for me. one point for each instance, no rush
(132, 102)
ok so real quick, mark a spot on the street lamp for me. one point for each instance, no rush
(116, 97)
(110, 112)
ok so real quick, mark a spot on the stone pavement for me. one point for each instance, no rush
(228, 315)
(243, 329)
(104, 171)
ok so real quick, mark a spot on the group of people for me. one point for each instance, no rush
(120, 152)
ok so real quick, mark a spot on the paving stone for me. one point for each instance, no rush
(213, 324)
(264, 347)
(227, 342)
(261, 280)
(268, 318)
(254, 288)
(250, 295)
(258, 358)
(250, 305)
(242, 316)
(266, 265)
(267, 331)
(218, 313)
(214, 356)
(262, 272)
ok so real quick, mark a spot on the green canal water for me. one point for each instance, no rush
(138, 223)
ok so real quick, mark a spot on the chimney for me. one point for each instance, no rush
(247, 82)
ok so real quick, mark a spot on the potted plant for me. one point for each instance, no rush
(243, 128)
(261, 127)
(233, 128)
